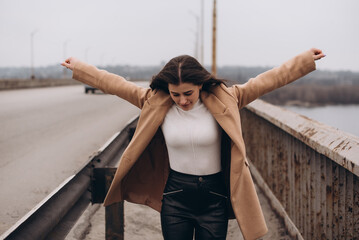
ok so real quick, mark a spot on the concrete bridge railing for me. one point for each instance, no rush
(308, 170)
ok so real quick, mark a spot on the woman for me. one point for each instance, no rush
(187, 156)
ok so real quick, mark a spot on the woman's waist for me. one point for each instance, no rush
(186, 177)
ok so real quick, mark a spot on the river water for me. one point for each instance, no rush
(343, 117)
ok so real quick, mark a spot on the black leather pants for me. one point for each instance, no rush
(194, 204)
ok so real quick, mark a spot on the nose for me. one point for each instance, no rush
(182, 100)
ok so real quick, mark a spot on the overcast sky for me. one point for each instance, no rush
(148, 32)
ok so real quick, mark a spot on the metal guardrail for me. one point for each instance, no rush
(309, 170)
(54, 217)
(9, 84)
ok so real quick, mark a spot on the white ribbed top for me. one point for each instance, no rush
(193, 140)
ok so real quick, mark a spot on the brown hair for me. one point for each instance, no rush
(184, 69)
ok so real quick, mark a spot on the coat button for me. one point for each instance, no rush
(200, 179)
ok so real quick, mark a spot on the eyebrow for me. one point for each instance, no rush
(183, 92)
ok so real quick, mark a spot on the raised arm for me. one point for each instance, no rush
(277, 77)
(107, 82)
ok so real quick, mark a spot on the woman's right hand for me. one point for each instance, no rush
(70, 63)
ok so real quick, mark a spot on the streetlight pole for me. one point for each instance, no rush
(65, 46)
(214, 40)
(196, 32)
(32, 53)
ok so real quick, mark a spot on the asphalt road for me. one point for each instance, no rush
(46, 135)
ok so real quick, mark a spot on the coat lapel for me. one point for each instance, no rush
(151, 118)
(224, 115)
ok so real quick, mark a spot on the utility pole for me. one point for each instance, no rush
(214, 40)
(32, 54)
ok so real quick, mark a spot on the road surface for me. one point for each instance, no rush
(47, 135)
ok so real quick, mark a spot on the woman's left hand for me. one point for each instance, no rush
(317, 53)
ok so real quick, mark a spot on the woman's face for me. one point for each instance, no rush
(185, 95)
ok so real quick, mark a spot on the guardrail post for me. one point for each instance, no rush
(115, 222)
(114, 214)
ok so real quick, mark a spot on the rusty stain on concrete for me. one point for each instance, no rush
(309, 132)
(338, 146)
(342, 146)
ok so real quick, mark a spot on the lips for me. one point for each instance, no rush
(185, 106)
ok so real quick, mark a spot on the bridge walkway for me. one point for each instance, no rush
(143, 223)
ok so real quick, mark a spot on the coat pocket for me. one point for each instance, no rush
(218, 194)
(172, 192)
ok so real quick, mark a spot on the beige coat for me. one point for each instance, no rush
(144, 166)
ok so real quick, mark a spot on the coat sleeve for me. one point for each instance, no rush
(272, 79)
(111, 83)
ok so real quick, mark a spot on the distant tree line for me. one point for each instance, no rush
(318, 87)
(57, 71)
(314, 94)
(243, 74)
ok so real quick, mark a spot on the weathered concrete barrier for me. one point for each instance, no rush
(7, 84)
(309, 170)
